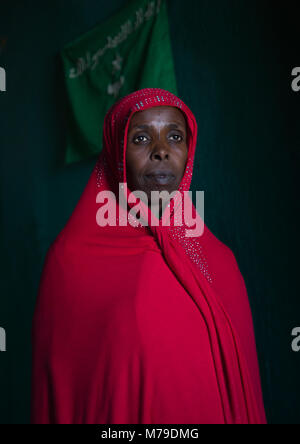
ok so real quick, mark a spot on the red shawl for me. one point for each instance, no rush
(141, 325)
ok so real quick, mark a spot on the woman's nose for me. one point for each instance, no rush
(160, 152)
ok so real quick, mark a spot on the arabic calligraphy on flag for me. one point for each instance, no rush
(130, 51)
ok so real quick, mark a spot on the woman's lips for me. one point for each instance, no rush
(160, 178)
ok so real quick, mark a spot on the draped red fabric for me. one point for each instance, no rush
(142, 324)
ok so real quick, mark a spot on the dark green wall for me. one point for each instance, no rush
(233, 63)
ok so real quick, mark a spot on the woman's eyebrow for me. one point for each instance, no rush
(175, 126)
(143, 127)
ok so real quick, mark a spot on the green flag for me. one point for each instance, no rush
(130, 51)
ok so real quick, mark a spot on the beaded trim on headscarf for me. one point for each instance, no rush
(193, 249)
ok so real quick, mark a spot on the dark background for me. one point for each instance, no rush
(233, 62)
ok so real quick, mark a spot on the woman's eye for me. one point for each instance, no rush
(176, 137)
(140, 139)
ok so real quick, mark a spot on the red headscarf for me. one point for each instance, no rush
(83, 283)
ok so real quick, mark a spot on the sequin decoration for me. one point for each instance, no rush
(101, 170)
(193, 249)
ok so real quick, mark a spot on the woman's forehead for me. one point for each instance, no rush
(161, 113)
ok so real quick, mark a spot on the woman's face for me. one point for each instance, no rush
(157, 150)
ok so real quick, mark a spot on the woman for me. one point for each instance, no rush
(138, 324)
